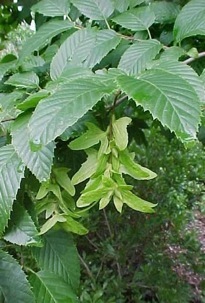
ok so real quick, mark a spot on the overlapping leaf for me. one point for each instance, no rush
(43, 36)
(137, 56)
(186, 72)
(5, 67)
(84, 48)
(50, 288)
(165, 12)
(191, 20)
(12, 171)
(8, 103)
(52, 8)
(13, 283)
(54, 114)
(21, 229)
(59, 255)
(95, 9)
(169, 98)
(39, 162)
(24, 80)
(136, 19)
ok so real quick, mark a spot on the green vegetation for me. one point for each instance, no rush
(101, 148)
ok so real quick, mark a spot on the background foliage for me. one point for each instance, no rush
(96, 103)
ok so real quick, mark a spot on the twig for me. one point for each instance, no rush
(117, 102)
(86, 268)
(107, 223)
(190, 60)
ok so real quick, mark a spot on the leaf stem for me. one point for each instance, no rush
(108, 25)
(149, 34)
(190, 60)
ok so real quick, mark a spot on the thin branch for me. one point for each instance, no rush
(190, 60)
(86, 268)
(107, 223)
(117, 102)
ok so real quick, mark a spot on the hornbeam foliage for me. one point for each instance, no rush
(70, 95)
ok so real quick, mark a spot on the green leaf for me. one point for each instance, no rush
(54, 114)
(173, 102)
(24, 80)
(95, 9)
(11, 171)
(134, 3)
(172, 53)
(120, 132)
(87, 169)
(52, 8)
(186, 72)
(165, 12)
(8, 104)
(121, 6)
(105, 200)
(21, 228)
(61, 175)
(38, 162)
(91, 137)
(71, 225)
(50, 288)
(136, 57)
(84, 48)
(59, 256)
(190, 21)
(137, 203)
(32, 100)
(50, 223)
(130, 167)
(5, 67)
(13, 282)
(118, 203)
(136, 19)
(91, 196)
(43, 36)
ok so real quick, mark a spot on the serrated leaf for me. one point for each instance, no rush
(50, 288)
(134, 3)
(54, 114)
(165, 12)
(61, 175)
(91, 137)
(120, 132)
(186, 72)
(95, 9)
(190, 21)
(43, 36)
(169, 98)
(136, 57)
(71, 225)
(121, 6)
(32, 100)
(52, 8)
(59, 255)
(11, 171)
(39, 162)
(21, 228)
(172, 53)
(84, 48)
(87, 169)
(130, 167)
(136, 19)
(24, 80)
(8, 104)
(137, 203)
(13, 282)
(5, 67)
